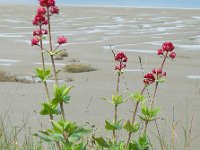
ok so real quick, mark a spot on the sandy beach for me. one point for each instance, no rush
(91, 31)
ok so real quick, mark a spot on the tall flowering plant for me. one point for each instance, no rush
(149, 111)
(65, 134)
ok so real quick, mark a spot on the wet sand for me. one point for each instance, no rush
(91, 31)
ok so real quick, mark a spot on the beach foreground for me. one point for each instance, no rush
(91, 31)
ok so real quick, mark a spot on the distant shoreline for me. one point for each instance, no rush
(107, 6)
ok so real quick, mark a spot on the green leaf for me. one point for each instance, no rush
(134, 146)
(145, 110)
(117, 99)
(49, 109)
(66, 99)
(144, 142)
(43, 137)
(138, 97)
(81, 146)
(66, 91)
(61, 94)
(57, 137)
(109, 126)
(131, 128)
(161, 80)
(43, 74)
(57, 127)
(78, 134)
(115, 126)
(101, 142)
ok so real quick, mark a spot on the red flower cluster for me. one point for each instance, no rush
(39, 20)
(167, 48)
(47, 3)
(41, 32)
(122, 58)
(62, 40)
(151, 77)
(35, 41)
(54, 10)
(47, 7)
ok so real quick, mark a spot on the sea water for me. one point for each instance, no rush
(116, 3)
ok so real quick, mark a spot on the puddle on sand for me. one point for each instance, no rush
(9, 60)
(194, 77)
(133, 70)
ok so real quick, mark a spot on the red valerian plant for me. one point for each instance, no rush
(65, 134)
(148, 113)
(68, 135)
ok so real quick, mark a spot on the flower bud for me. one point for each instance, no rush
(41, 10)
(172, 55)
(160, 51)
(62, 40)
(168, 46)
(54, 10)
(35, 41)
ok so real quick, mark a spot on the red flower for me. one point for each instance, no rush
(62, 40)
(35, 41)
(172, 55)
(157, 71)
(120, 66)
(39, 32)
(39, 19)
(149, 78)
(41, 10)
(120, 56)
(168, 46)
(54, 10)
(160, 51)
(47, 3)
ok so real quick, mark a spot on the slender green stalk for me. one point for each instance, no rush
(133, 118)
(52, 60)
(116, 107)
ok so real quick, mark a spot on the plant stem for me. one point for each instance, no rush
(116, 106)
(52, 60)
(133, 118)
(165, 57)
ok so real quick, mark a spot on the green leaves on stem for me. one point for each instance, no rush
(43, 74)
(131, 128)
(61, 94)
(117, 99)
(102, 143)
(141, 144)
(137, 97)
(149, 114)
(49, 109)
(113, 126)
(69, 133)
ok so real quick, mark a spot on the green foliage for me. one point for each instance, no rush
(149, 114)
(43, 74)
(64, 131)
(161, 80)
(49, 109)
(101, 142)
(131, 128)
(137, 97)
(113, 126)
(117, 99)
(141, 144)
(61, 94)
